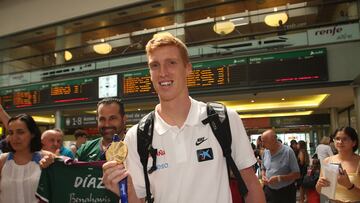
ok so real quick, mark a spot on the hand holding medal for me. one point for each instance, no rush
(118, 152)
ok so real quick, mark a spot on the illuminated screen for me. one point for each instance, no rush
(270, 69)
(74, 91)
(292, 67)
(70, 91)
(205, 75)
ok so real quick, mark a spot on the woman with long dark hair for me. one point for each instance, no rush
(19, 169)
(348, 183)
(303, 161)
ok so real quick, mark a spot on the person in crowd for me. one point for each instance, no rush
(323, 150)
(4, 118)
(348, 182)
(177, 127)
(303, 161)
(259, 151)
(332, 145)
(310, 181)
(52, 140)
(293, 145)
(80, 138)
(4, 145)
(110, 120)
(19, 169)
(279, 170)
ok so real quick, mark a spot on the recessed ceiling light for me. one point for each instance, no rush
(276, 19)
(282, 99)
(224, 27)
(252, 101)
(68, 55)
(102, 48)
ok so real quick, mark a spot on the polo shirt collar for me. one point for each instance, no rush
(161, 127)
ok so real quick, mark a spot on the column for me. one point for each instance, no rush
(334, 120)
(179, 19)
(357, 107)
(58, 119)
(59, 45)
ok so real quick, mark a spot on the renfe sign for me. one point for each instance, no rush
(336, 33)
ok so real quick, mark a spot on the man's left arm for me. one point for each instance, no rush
(294, 168)
(255, 193)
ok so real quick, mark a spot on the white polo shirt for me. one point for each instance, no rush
(190, 164)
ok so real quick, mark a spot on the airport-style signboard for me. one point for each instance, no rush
(206, 75)
(215, 75)
(270, 69)
(59, 93)
(289, 67)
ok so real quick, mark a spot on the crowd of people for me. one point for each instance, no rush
(188, 158)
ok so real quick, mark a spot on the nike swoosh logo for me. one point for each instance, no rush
(200, 140)
(92, 155)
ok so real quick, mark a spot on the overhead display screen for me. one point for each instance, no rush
(206, 75)
(271, 69)
(215, 75)
(299, 66)
(137, 83)
(70, 91)
(74, 90)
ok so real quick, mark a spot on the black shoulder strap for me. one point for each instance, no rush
(219, 123)
(144, 148)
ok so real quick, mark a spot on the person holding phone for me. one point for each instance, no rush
(348, 187)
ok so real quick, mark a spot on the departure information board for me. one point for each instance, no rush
(216, 75)
(74, 91)
(137, 82)
(290, 67)
(70, 91)
(269, 69)
(206, 75)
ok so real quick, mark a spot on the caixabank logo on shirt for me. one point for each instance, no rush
(205, 154)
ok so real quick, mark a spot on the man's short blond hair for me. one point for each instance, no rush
(166, 39)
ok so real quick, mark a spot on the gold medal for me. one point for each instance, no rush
(117, 152)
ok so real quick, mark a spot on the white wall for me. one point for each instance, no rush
(20, 15)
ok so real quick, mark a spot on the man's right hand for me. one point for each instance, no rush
(113, 173)
(47, 159)
(265, 180)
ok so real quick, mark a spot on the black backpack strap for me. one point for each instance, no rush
(144, 148)
(219, 123)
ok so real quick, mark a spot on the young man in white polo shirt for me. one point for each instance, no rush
(182, 175)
